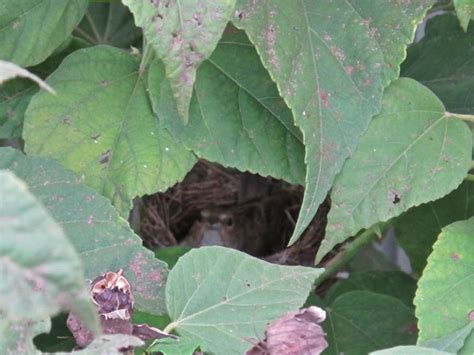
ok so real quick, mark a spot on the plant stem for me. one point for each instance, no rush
(472, 165)
(469, 177)
(350, 251)
(464, 117)
(147, 56)
(170, 327)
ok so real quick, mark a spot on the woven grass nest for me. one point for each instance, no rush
(259, 210)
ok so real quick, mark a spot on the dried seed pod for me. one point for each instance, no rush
(294, 333)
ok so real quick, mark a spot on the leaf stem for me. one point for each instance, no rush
(464, 117)
(93, 27)
(351, 250)
(147, 56)
(85, 36)
(469, 177)
(170, 327)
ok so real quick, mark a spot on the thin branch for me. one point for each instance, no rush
(464, 117)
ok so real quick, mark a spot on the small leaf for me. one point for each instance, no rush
(391, 283)
(32, 29)
(10, 71)
(17, 337)
(412, 153)
(360, 322)
(418, 228)
(465, 12)
(444, 302)
(41, 273)
(330, 64)
(453, 342)
(102, 239)
(183, 34)
(110, 344)
(409, 349)
(170, 346)
(113, 138)
(257, 134)
(442, 61)
(220, 297)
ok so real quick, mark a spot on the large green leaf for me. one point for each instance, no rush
(221, 297)
(235, 118)
(103, 240)
(183, 34)
(30, 30)
(412, 153)
(101, 126)
(453, 342)
(444, 299)
(418, 228)
(392, 283)
(109, 22)
(465, 12)
(330, 63)
(409, 349)
(360, 321)
(17, 337)
(443, 61)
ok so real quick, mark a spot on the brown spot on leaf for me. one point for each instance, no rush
(394, 197)
(95, 136)
(324, 96)
(471, 315)
(105, 157)
(455, 256)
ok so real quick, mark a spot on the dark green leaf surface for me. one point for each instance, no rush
(101, 126)
(412, 153)
(30, 30)
(220, 297)
(330, 62)
(236, 116)
(103, 240)
(391, 283)
(359, 322)
(443, 61)
(183, 33)
(444, 299)
(465, 12)
(418, 228)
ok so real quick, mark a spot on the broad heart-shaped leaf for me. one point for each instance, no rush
(330, 63)
(236, 116)
(30, 30)
(418, 228)
(41, 273)
(103, 239)
(101, 126)
(442, 61)
(412, 153)
(409, 349)
(109, 22)
(183, 34)
(465, 12)
(222, 297)
(444, 299)
(392, 283)
(361, 321)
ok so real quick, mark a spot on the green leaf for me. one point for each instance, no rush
(412, 153)
(391, 283)
(153, 320)
(453, 342)
(102, 127)
(17, 337)
(170, 346)
(41, 273)
(183, 33)
(418, 228)
(103, 240)
(257, 134)
(30, 30)
(220, 297)
(171, 255)
(409, 349)
(359, 322)
(330, 64)
(444, 302)
(10, 71)
(465, 12)
(110, 344)
(442, 61)
(109, 23)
